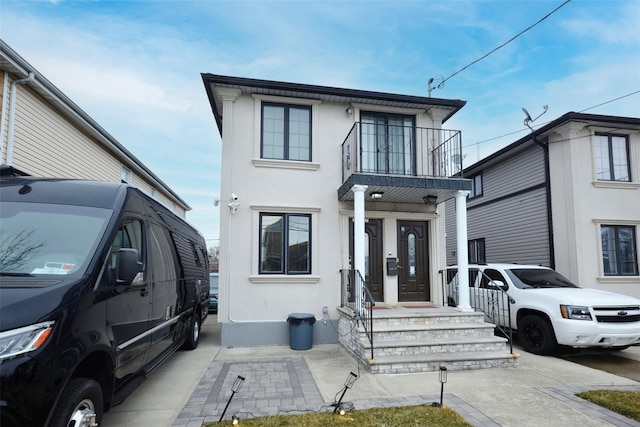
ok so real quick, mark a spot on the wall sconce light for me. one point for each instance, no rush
(349, 110)
(376, 195)
(234, 389)
(442, 377)
(430, 199)
(235, 420)
(351, 378)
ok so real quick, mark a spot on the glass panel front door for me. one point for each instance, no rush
(387, 144)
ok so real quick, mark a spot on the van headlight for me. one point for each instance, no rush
(576, 312)
(24, 340)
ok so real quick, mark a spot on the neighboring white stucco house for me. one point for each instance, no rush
(565, 196)
(301, 164)
(43, 133)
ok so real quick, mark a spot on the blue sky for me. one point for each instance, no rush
(134, 66)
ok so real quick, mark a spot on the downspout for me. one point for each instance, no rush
(547, 178)
(13, 94)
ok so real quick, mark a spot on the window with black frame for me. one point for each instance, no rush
(285, 243)
(286, 132)
(476, 186)
(612, 158)
(476, 251)
(619, 250)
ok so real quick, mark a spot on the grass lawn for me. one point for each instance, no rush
(406, 416)
(625, 403)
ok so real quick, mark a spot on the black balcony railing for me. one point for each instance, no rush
(401, 150)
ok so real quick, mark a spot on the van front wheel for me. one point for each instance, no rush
(80, 404)
(536, 335)
(194, 333)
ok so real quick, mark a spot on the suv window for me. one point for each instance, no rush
(490, 274)
(528, 278)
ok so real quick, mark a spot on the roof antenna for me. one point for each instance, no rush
(528, 118)
(440, 86)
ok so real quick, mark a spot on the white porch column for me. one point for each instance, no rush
(358, 237)
(462, 249)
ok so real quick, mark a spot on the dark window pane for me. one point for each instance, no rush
(271, 243)
(298, 244)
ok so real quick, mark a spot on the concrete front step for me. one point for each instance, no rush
(405, 364)
(434, 332)
(431, 346)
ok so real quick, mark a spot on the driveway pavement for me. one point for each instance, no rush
(193, 387)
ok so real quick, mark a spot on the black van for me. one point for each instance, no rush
(99, 284)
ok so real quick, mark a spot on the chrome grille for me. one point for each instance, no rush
(617, 314)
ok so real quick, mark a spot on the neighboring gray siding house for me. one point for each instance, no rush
(565, 196)
(43, 133)
(317, 181)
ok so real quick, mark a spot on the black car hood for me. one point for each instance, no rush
(25, 301)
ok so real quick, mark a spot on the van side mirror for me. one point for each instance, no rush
(127, 266)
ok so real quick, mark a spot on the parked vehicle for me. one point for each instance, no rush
(213, 292)
(546, 309)
(99, 284)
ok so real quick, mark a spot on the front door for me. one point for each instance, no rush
(413, 261)
(373, 266)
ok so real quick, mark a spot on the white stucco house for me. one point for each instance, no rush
(318, 182)
(565, 196)
(44, 133)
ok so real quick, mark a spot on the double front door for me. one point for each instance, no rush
(413, 259)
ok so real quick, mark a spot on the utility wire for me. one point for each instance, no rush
(542, 124)
(505, 43)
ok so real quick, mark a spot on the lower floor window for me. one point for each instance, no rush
(619, 254)
(285, 243)
(476, 251)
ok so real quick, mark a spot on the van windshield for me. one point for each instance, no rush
(46, 239)
(527, 278)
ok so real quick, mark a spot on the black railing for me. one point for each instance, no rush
(402, 150)
(362, 307)
(489, 297)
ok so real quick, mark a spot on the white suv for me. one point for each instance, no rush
(546, 309)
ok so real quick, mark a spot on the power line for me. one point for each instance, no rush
(505, 43)
(542, 124)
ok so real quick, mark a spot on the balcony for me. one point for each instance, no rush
(405, 163)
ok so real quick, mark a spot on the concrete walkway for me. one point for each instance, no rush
(194, 387)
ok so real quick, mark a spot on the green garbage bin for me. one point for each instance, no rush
(301, 330)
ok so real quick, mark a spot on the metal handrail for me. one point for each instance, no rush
(491, 300)
(351, 281)
(415, 151)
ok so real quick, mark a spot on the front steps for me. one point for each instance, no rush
(410, 339)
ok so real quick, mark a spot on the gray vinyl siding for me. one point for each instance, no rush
(511, 214)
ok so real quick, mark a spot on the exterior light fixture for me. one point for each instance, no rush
(442, 377)
(235, 420)
(430, 199)
(376, 195)
(234, 389)
(349, 110)
(351, 378)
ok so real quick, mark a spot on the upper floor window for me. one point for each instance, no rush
(476, 186)
(125, 175)
(285, 243)
(388, 143)
(619, 253)
(612, 158)
(286, 132)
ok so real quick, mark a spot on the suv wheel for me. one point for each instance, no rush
(536, 335)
